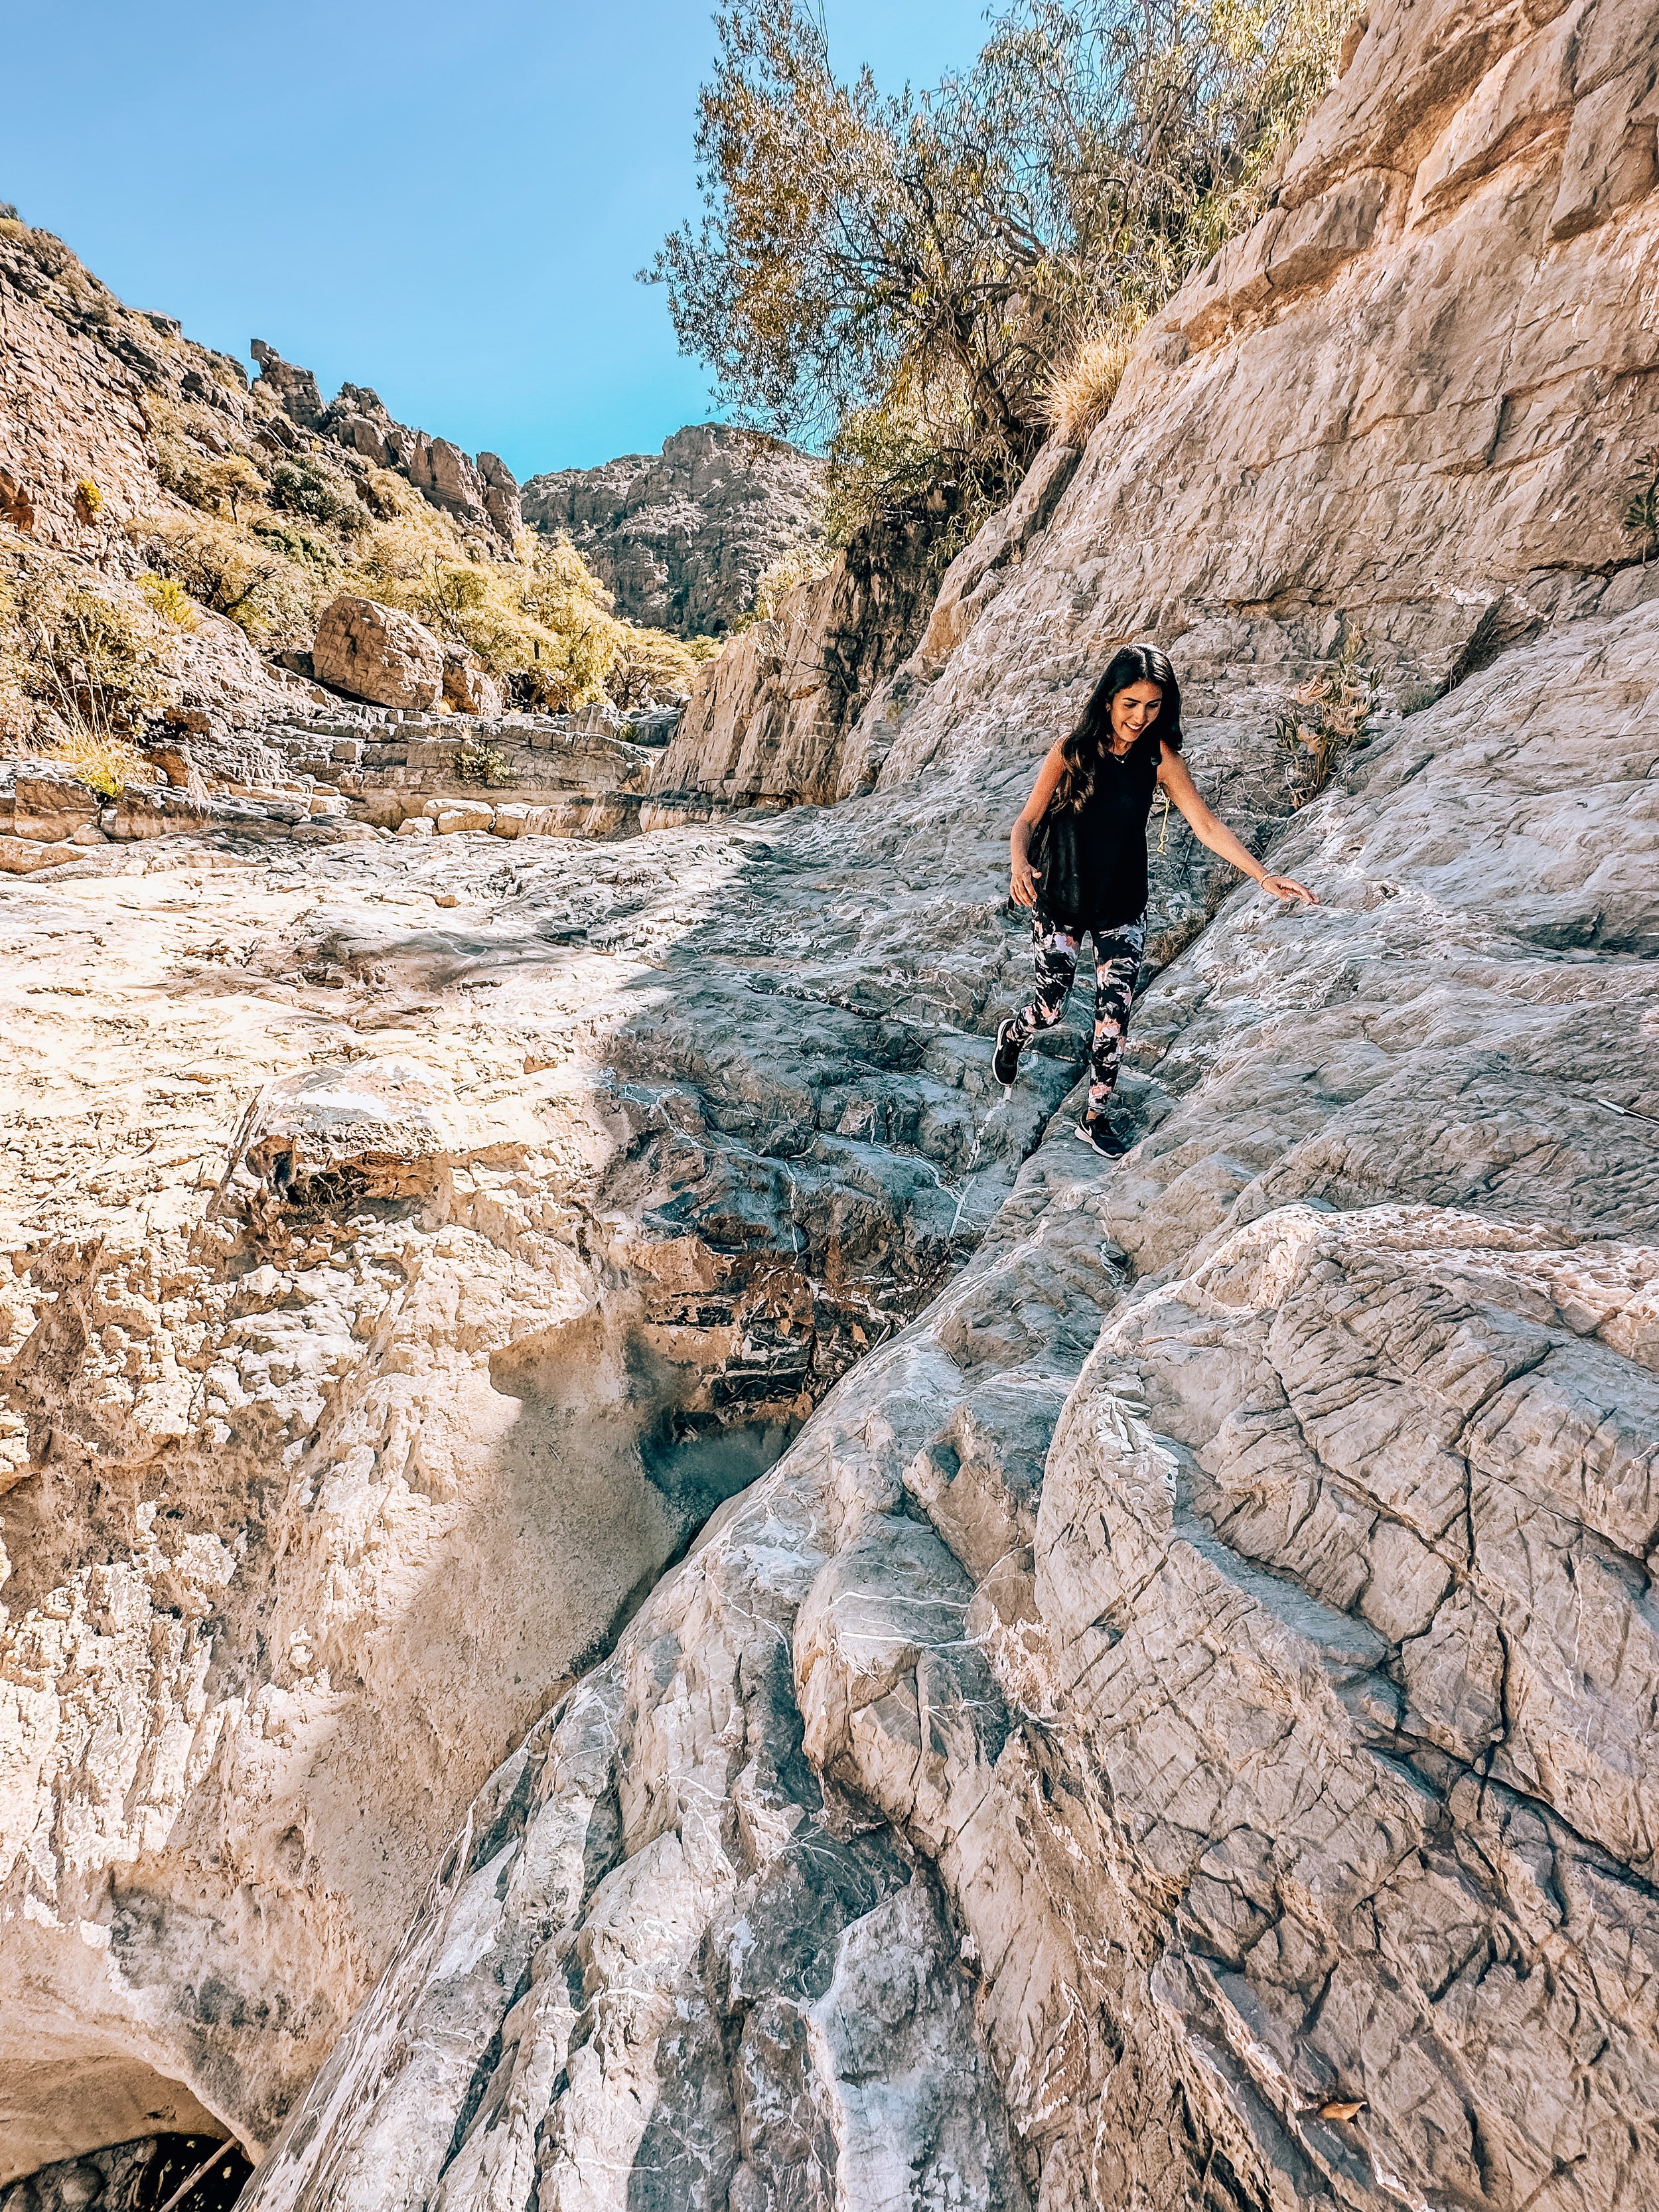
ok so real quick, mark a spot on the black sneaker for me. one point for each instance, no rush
(1004, 1061)
(1096, 1131)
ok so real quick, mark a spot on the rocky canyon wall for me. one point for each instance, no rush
(1174, 1726)
(682, 537)
(1415, 395)
(1172, 1729)
(770, 719)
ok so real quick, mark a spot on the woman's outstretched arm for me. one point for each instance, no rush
(1176, 778)
(1022, 883)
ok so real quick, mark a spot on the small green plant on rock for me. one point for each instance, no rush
(1641, 515)
(484, 764)
(1336, 709)
(316, 493)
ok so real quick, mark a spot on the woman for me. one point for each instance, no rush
(1093, 796)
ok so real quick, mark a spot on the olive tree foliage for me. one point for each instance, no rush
(900, 277)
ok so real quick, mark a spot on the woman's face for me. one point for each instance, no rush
(1134, 710)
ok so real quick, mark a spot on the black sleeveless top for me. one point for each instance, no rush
(1094, 870)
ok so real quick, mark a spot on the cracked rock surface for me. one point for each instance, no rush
(1224, 1610)
(414, 1244)
(627, 1589)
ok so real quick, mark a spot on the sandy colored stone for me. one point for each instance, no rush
(468, 684)
(1196, 1591)
(378, 653)
(1174, 1728)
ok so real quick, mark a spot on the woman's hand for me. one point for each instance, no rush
(1176, 778)
(1286, 887)
(1022, 877)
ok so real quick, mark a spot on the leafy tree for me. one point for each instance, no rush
(912, 271)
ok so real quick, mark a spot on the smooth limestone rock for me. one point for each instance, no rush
(345, 1420)
(1226, 1604)
(378, 653)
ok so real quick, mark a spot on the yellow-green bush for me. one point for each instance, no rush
(543, 619)
(485, 764)
(299, 531)
(96, 664)
(798, 564)
(105, 763)
(171, 601)
(225, 483)
(1080, 390)
(653, 665)
(272, 598)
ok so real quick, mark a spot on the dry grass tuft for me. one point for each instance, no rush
(105, 763)
(1079, 397)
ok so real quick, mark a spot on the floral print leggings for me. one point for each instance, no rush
(1117, 964)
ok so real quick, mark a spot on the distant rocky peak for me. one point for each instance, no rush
(295, 388)
(681, 537)
(483, 494)
(360, 399)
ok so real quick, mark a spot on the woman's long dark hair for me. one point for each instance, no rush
(1088, 745)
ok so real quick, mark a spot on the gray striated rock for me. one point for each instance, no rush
(770, 718)
(1174, 1729)
(483, 496)
(1228, 1597)
(531, 1196)
(295, 388)
(681, 537)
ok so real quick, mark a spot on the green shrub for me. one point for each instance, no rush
(96, 662)
(171, 601)
(258, 588)
(1641, 515)
(484, 765)
(300, 488)
(88, 499)
(295, 543)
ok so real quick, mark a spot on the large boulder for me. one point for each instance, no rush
(377, 654)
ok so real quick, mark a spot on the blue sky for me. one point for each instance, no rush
(446, 203)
